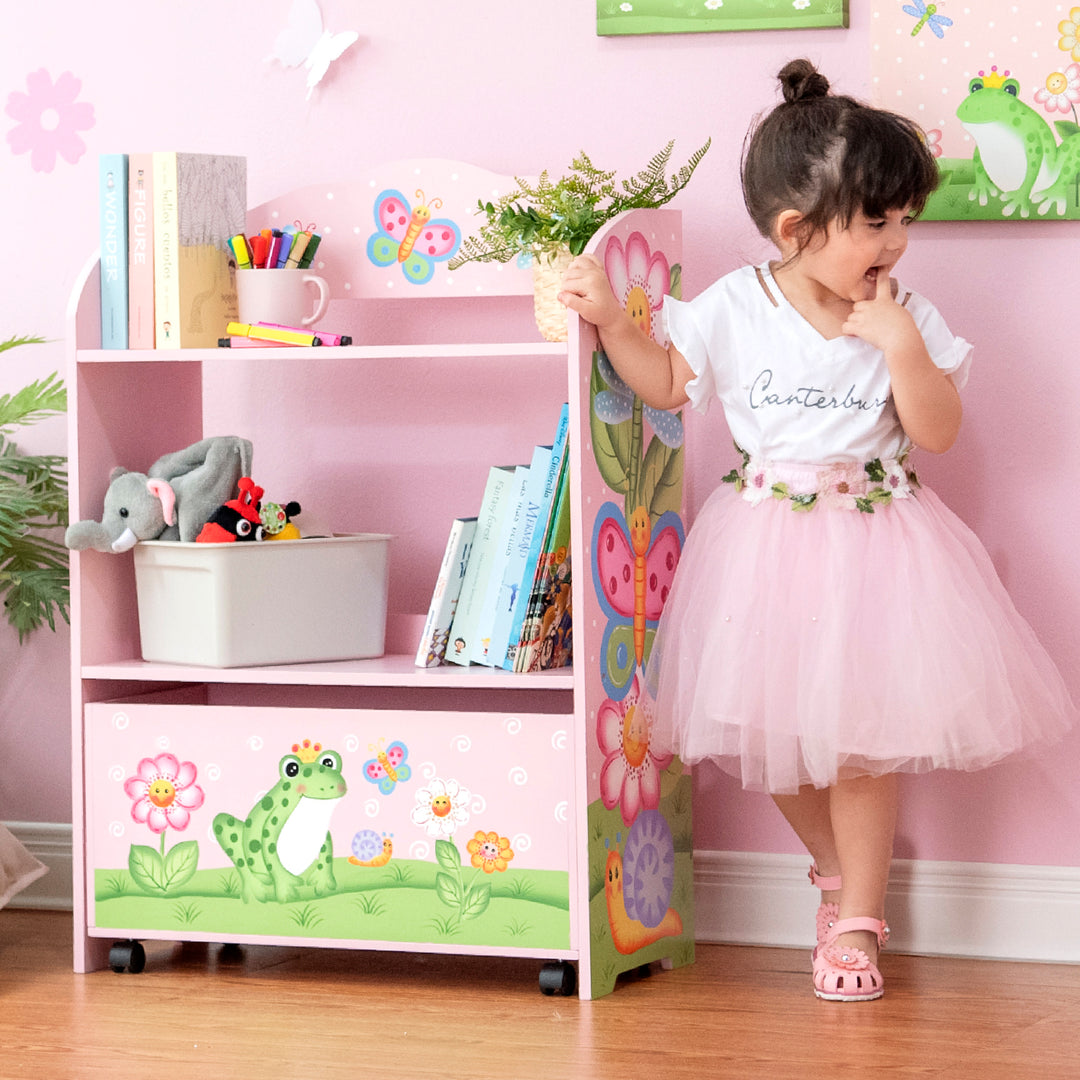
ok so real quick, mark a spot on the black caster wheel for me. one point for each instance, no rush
(558, 977)
(129, 955)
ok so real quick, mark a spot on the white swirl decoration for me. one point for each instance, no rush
(512, 725)
(120, 721)
(518, 776)
(562, 811)
(116, 829)
(371, 808)
(559, 740)
(428, 770)
(521, 842)
(419, 849)
(478, 804)
(461, 743)
(352, 743)
(163, 742)
(213, 772)
(255, 742)
(117, 773)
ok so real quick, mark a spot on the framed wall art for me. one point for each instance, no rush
(614, 17)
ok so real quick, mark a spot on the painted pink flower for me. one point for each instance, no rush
(1062, 90)
(639, 278)
(49, 118)
(164, 792)
(630, 776)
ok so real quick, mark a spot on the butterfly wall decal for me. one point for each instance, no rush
(305, 41)
(633, 568)
(409, 236)
(388, 767)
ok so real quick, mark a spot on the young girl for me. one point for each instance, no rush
(831, 623)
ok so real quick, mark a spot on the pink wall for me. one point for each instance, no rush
(457, 80)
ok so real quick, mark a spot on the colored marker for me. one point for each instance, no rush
(240, 249)
(275, 249)
(287, 235)
(296, 252)
(290, 336)
(325, 338)
(309, 251)
(259, 251)
(252, 343)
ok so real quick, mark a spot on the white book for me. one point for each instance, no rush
(481, 650)
(463, 630)
(444, 599)
(520, 543)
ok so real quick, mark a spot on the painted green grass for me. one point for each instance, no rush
(953, 202)
(396, 902)
(689, 16)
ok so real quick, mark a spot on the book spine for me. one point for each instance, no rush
(521, 603)
(466, 618)
(553, 567)
(511, 517)
(140, 251)
(112, 220)
(519, 553)
(166, 251)
(444, 599)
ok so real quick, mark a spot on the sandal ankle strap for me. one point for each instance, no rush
(826, 884)
(860, 922)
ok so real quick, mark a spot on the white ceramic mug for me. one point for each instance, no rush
(280, 296)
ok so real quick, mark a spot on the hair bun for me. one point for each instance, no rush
(801, 81)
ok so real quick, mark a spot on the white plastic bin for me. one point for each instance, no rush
(268, 602)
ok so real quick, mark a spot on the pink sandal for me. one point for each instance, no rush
(843, 973)
(827, 914)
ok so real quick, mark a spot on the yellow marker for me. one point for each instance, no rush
(240, 249)
(289, 335)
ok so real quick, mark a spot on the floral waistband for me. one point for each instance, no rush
(845, 485)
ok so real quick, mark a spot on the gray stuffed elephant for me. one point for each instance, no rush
(170, 502)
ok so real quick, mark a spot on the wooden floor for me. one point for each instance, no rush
(203, 1012)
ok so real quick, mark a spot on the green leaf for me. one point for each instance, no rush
(146, 868)
(1065, 128)
(181, 863)
(662, 478)
(875, 470)
(476, 902)
(446, 853)
(448, 890)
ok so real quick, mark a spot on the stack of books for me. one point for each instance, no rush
(165, 222)
(502, 596)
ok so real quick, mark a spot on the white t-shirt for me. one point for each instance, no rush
(788, 393)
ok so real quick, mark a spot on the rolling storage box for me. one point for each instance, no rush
(271, 602)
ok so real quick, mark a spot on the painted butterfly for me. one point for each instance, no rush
(409, 236)
(388, 766)
(632, 578)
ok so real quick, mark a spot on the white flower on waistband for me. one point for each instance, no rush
(896, 479)
(758, 480)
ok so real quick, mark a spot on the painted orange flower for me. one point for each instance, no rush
(490, 852)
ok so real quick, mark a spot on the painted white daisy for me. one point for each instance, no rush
(441, 807)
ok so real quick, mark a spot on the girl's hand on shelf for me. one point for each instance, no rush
(586, 290)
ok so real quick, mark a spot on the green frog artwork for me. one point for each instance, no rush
(282, 849)
(1018, 157)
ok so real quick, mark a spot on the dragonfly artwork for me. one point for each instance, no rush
(927, 15)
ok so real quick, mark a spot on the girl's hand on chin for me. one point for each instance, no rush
(881, 322)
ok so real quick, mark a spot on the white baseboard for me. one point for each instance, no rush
(51, 843)
(986, 910)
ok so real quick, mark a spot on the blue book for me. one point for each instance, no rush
(519, 544)
(551, 482)
(113, 227)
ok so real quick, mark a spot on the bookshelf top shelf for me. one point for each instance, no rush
(359, 353)
(388, 671)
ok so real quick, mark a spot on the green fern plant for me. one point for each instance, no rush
(544, 217)
(33, 502)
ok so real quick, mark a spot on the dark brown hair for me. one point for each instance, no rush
(829, 156)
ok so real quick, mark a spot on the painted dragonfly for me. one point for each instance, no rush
(927, 14)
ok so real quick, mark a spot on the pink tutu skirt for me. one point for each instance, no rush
(798, 646)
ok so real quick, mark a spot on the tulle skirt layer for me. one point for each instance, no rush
(797, 647)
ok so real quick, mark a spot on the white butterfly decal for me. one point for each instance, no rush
(304, 41)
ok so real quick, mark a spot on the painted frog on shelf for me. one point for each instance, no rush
(284, 844)
(1018, 156)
